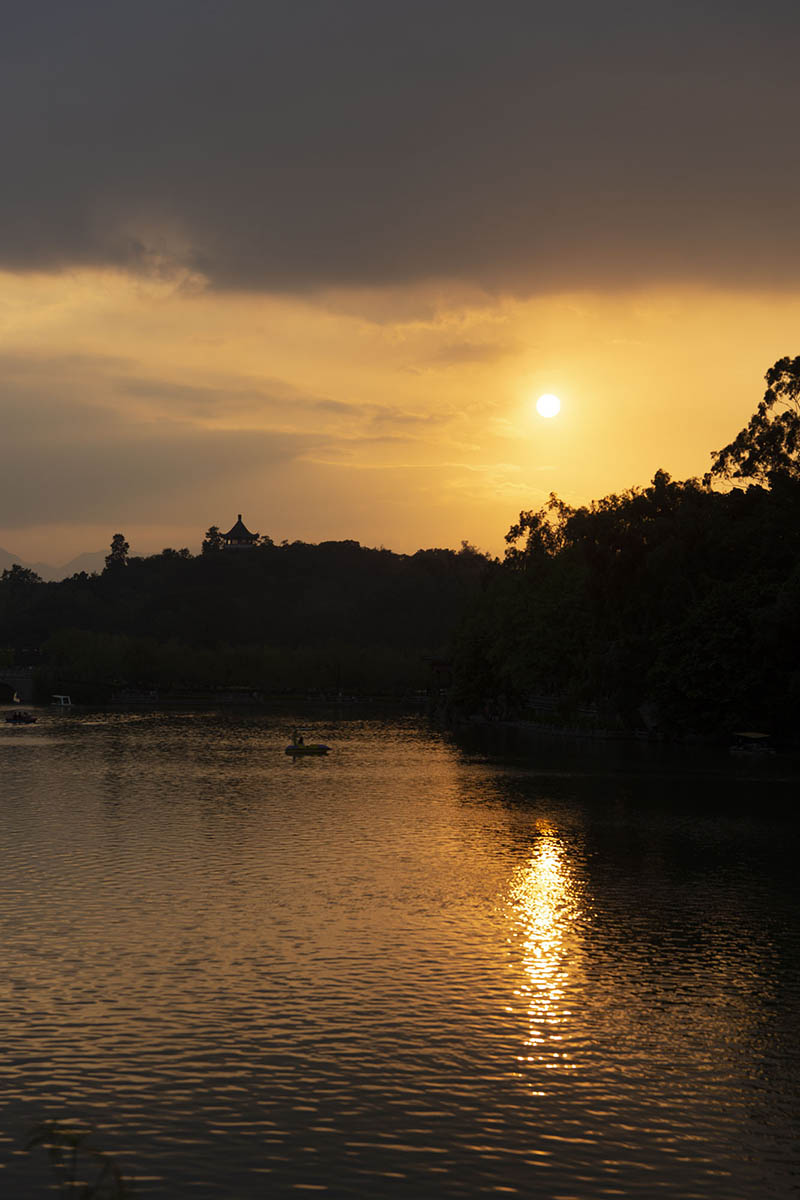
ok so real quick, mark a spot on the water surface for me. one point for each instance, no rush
(418, 967)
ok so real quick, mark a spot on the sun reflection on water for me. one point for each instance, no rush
(545, 902)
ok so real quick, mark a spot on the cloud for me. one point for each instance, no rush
(289, 146)
(456, 354)
(66, 461)
(277, 401)
(75, 450)
(228, 398)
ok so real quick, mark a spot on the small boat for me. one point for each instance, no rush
(298, 748)
(20, 718)
(751, 743)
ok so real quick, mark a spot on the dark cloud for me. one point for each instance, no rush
(395, 418)
(293, 145)
(274, 398)
(456, 354)
(229, 396)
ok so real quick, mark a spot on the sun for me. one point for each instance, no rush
(548, 405)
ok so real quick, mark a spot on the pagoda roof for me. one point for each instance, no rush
(239, 532)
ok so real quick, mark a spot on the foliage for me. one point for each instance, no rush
(332, 617)
(769, 445)
(213, 541)
(18, 576)
(118, 557)
(671, 605)
(543, 531)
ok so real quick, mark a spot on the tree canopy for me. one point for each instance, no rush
(213, 540)
(17, 576)
(768, 448)
(670, 606)
(118, 556)
(294, 617)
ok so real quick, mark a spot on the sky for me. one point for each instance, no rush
(314, 261)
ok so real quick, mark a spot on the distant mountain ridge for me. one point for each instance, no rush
(89, 562)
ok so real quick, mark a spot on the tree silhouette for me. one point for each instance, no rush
(543, 531)
(119, 553)
(213, 541)
(19, 576)
(768, 447)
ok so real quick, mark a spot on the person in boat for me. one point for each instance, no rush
(297, 739)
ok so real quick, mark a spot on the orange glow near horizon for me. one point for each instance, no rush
(396, 417)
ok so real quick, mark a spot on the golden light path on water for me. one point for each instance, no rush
(546, 910)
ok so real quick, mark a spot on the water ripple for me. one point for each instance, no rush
(397, 971)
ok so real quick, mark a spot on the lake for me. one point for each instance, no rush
(421, 966)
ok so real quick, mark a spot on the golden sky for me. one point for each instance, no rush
(314, 263)
(399, 417)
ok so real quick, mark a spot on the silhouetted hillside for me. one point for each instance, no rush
(330, 616)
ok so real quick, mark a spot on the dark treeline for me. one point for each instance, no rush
(296, 617)
(673, 607)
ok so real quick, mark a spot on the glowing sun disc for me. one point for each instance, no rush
(548, 405)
